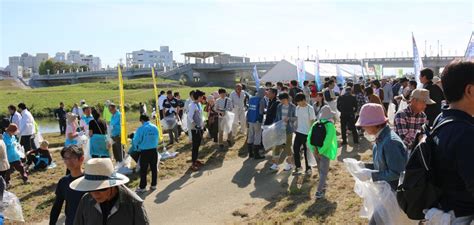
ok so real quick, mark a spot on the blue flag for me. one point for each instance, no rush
(255, 77)
(317, 77)
(469, 55)
(417, 63)
(301, 72)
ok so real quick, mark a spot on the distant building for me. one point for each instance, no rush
(147, 58)
(60, 57)
(26, 64)
(74, 57)
(227, 58)
(92, 62)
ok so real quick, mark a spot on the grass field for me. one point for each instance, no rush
(43, 101)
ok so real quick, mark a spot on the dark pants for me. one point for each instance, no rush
(300, 141)
(62, 126)
(27, 142)
(173, 134)
(196, 139)
(348, 121)
(148, 158)
(117, 148)
(31, 158)
(135, 156)
(18, 166)
(213, 129)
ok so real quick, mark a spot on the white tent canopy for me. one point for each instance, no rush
(286, 71)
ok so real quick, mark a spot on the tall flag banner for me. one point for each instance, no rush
(317, 76)
(123, 120)
(469, 55)
(301, 72)
(340, 79)
(362, 66)
(378, 69)
(158, 123)
(417, 63)
(255, 77)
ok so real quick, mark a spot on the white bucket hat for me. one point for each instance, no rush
(99, 174)
(326, 113)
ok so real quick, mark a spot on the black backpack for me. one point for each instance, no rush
(318, 134)
(417, 190)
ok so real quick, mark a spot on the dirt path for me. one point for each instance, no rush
(229, 194)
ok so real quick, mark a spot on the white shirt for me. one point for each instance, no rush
(237, 100)
(27, 123)
(304, 115)
(15, 118)
(161, 99)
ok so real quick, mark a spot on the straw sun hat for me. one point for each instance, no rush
(99, 174)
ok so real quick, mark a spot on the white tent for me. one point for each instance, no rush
(286, 71)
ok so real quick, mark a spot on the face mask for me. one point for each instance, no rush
(370, 137)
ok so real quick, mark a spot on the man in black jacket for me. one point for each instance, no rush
(432, 111)
(60, 115)
(347, 105)
(294, 90)
(271, 106)
(453, 159)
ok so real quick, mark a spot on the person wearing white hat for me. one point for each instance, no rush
(108, 200)
(409, 121)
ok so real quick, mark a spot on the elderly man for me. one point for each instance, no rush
(409, 121)
(238, 108)
(108, 200)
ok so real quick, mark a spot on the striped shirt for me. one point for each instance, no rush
(408, 124)
(222, 106)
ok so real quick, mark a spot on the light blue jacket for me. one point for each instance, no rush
(115, 124)
(390, 157)
(290, 127)
(10, 142)
(146, 137)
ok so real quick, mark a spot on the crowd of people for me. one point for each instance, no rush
(309, 116)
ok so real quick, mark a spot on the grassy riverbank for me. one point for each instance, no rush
(43, 101)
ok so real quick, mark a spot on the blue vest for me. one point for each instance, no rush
(253, 113)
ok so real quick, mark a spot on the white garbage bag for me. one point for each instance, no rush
(274, 135)
(228, 120)
(184, 122)
(379, 201)
(403, 105)
(11, 207)
(311, 158)
(20, 150)
(168, 122)
(435, 216)
(38, 139)
(391, 113)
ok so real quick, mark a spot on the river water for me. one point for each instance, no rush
(47, 125)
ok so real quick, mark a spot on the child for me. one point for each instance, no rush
(223, 105)
(306, 117)
(41, 157)
(12, 154)
(286, 112)
(212, 118)
(4, 165)
(324, 149)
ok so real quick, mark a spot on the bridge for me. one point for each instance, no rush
(215, 73)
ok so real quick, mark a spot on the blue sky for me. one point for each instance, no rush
(258, 29)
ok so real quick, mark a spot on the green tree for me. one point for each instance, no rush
(45, 66)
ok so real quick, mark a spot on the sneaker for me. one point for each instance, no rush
(274, 167)
(320, 194)
(140, 190)
(308, 172)
(288, 167)
(153, 188)
(296, 172)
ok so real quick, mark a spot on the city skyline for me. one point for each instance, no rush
(262, 31)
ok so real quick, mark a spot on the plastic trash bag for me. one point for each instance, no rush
(168, 122)
(228, 120)
(403, 105)
(379, 201)
(38, 139)
(435, 216)
(11, 207)
(124, 166)
(274, 135)
(391, 113)
(184, 122)
(311, 159)
(168, 155)
(20, 150)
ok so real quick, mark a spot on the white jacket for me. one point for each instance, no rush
(27, 123)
